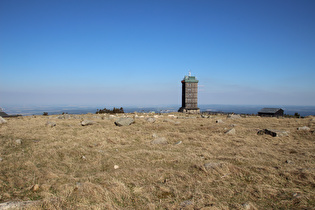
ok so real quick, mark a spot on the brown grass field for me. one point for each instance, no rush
(103, 166)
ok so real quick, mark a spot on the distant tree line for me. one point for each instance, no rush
(296, 115)
(114, 111)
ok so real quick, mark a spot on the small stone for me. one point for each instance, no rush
(219, 121)
(50, 124)
(18, 141)
(230, 132)
(35, 188)
(87, 122)
(151, 120)
(116, 167)
(83, 157)
(1, 159)
(246, 206)
(289, 162)
(205, 116)
(304, 128)
(186, 203)
(177, 143)
(160, 140)
(2, 121)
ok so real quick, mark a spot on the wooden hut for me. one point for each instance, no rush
(271, 112)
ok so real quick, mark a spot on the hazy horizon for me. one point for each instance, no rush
(137, 52)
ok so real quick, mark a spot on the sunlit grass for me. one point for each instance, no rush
(74, 164)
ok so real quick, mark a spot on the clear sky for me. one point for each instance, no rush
(136, 52)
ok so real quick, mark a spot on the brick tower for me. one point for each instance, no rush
(189, 95)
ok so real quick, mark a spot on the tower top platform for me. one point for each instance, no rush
(190, 79)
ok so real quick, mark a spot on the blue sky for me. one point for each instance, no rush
(136, 52)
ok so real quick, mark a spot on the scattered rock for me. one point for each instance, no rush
(219, 121)
(64, 116)
(304, 128)
(2, 121)
(249, 206)
(61, 117)
(116, 167)
(87, 122)
(17, 205)
(230, 132)
(246, 206)
(234, 116)
(18, 141)
(124, 121)
(288, 162)
(83, 157)
(35, 188)
(1, 159)
(50, 124)
(177, 143)
(159, 140)
(273, 133)
(151, 120)
(169, 120)
(186, 203)
(205, 116)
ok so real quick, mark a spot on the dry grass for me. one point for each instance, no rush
(74, 165)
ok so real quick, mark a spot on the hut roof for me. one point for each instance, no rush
(269, 110)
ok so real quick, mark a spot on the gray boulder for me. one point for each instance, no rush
(50, 124)
(151, 120)
(273, 133)
(2, 121)
(87, 122)
(124, 121)
(304, 128)
(230, 132)
(159, 140)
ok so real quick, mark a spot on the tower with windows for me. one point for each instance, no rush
(189, 95)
